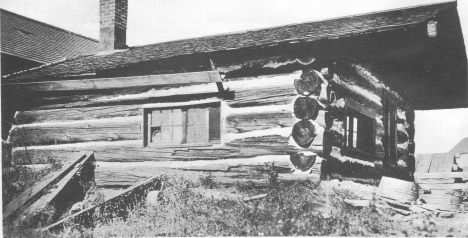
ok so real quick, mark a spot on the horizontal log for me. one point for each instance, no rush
(263, 90)
(122, 82)
(75, 114)
(274, 89)
(275, 95)
(361, 108)
(240, 123)
(81, 131)
(132, 151)
(117, 97)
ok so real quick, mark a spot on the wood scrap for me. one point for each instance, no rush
(32, 194)
(116, 206)
(50, 198)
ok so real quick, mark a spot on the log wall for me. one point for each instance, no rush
(257, 118)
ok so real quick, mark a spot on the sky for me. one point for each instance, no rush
(153, 21)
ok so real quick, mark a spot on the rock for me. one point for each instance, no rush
(77, 207)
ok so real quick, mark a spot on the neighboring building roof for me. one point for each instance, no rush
(305, 32)
(461, 147)
(40, 42)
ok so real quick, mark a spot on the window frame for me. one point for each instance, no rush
(358, 150)
(213, 130)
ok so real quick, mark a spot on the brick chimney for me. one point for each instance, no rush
(113, 21)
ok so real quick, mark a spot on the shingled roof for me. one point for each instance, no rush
(40, 42)
(305, 32)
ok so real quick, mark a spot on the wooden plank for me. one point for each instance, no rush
(120, 82)
(425, 163)
(189, 104)
(47, 199)
(437, 163)
(444, 186)
(32, 194)
(82, 131)
(448, 162)
(442, 175)
(121, 202)
(202, 129)
(214, 123)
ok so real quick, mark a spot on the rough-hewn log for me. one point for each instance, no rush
(306, 108)
(132, 151)
(277, 95)
(309, 83)
(81, 131)
(303, 160)
(303, 133)
(75, 114)
(122, 82)
(240, 123)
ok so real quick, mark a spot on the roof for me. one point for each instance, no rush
(40, 42)
(461, 147)
(305, 32)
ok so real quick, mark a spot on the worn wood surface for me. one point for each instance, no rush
(112, 129)
(423, 163)
(124, 201)
(306, 108)
(79, 113)
(121, 82)
(32, 194)
(245, 122)
(309, 83)
(36, 208)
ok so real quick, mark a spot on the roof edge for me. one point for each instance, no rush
(448, 2)
(49, 25)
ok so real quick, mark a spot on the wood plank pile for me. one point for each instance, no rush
(54, 194)
(402, 197)
(441, 179)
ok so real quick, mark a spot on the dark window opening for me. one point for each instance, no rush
(359, 133)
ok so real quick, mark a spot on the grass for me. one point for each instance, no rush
(288, 210)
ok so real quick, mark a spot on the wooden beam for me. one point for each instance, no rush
(121, 82)
(444, 175)
(54, 192)
(32, 194)
(108, 208)
(444, 186)
(109, 129)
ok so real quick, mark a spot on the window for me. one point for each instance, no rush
(191, 123)
(359, 133)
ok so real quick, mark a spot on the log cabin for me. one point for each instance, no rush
(342, 91)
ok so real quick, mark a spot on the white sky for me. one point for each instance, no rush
(152, 21)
